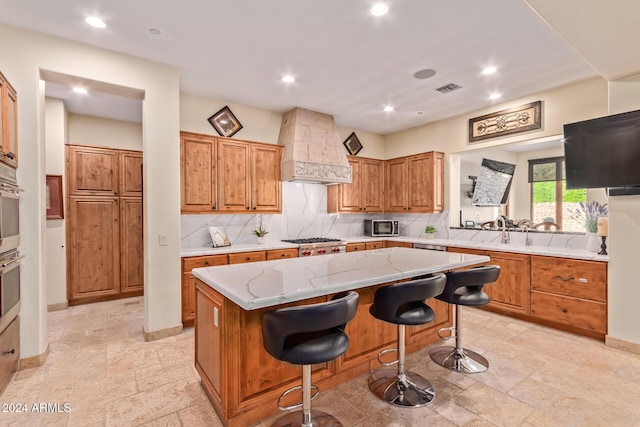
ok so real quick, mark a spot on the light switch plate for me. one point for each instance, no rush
(162, 239)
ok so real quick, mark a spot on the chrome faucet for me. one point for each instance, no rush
(527, 240)
(504, 238)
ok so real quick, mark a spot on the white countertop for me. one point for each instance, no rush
(269, 283)
(247, 247)
(472, 244)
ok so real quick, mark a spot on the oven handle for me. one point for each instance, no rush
(12, 261)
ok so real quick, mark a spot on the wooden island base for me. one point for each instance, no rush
(243, 382)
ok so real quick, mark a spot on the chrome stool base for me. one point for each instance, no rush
(459, 359)
(417, 391)
(318, 419)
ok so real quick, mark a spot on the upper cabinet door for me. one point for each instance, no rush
(234, 176)
(396, 185)
(92, 171)
(130, 173)
(198, 155)
(8, 123)
(420, 179)
(372, 185)
(266, 181)
(349, 195)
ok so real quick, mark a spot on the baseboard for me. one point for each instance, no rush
(34, 361)
(162, 333)
(57, 307)
(631, 347)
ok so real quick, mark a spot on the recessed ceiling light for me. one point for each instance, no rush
(155, 31)
(95, 22)
(388, 109)
(379, 9)
(424, 74)
(495, 96)
(79, 90)
(288, 79)
(489, 70)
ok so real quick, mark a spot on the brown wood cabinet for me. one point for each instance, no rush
(198, 160)
(130, 167)
(93, 247)
(562, 293)
(243, 381)
(189, 263)
(93, 171)
(395, 244)
(105, 258)
(366, 191)
(228, 175)
(9, 352)
(571, 294)
(511, 292)
(415, 184)
(8, 123)
(189, 285)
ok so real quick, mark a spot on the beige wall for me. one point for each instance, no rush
(24, 54)
(258, 125)
(624, 235)
(91, 130)
(56, 131)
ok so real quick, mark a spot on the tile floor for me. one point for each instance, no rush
(101, 367)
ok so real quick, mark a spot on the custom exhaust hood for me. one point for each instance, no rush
(313, 151)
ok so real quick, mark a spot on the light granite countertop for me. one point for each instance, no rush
(270, 283)
(472, 244)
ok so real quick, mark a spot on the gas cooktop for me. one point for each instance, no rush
(312, 240)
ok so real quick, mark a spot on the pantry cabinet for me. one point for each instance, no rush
(228, 175)
(8, 123)
(364, 194)
(105, 258)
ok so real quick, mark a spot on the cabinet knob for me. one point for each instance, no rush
(11, 156)
(564, 310)
(12, 351)
(206, 263)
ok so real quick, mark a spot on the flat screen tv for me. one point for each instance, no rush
(604, 153)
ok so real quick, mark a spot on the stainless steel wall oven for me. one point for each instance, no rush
(9, 242)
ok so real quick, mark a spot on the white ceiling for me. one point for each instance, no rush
(346, 62)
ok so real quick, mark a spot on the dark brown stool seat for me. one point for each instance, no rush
(464, 288)
(404, 304)
(306, 335)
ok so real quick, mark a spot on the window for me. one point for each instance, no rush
(550, 200)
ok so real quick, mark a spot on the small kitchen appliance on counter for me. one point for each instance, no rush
(381, 227)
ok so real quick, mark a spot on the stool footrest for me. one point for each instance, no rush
(452, 333)
(383, 352)
(297, 405)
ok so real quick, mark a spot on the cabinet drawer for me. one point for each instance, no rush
(580, 313)
(570, 277)
(190, 263)
(374, 245)
(9, 352)
(282, 253)
(354, 247)
(247, 257)
(394, 244)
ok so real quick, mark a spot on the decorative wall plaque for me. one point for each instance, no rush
(506, 122)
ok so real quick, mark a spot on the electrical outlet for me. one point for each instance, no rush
(162, 239)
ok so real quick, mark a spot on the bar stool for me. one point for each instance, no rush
(464, 288)
(403, 304)
(306, 335)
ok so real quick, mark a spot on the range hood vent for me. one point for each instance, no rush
(313, 151)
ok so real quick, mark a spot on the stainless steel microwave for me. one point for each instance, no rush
(381, 227)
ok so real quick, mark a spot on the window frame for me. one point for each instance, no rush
(558, 160)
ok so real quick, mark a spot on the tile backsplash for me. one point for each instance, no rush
(304, 214)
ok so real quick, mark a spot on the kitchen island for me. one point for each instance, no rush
(242, 381)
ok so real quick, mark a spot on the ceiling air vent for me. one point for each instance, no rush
(448, 88)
